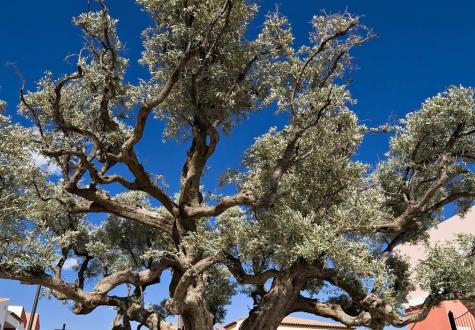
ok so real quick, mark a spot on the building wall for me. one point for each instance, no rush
(3, 312)
(19, 311)
(15, 317)
(438, 317)
(445, 232)
(36, 321)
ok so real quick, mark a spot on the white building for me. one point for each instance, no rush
(15, 317)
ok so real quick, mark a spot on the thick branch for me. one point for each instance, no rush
(137, 278)
(97, 201)
(235, 267)
(88, 301)
(421, 205)
(450, 199)
(333, 311)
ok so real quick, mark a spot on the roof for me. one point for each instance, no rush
(13, 314)
(18, 310)
(231, 324)
(290, 320)
(4, 299)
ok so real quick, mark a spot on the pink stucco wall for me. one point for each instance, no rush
(446, 231)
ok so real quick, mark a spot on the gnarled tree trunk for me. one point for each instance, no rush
(275, 305)
(196, 315)
(193, 309)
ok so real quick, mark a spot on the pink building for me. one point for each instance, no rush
(445, 232)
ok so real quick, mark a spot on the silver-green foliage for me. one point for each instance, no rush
(305, 208)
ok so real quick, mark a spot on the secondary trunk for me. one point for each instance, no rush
(274, 306)
(197, 318)
(195, 315)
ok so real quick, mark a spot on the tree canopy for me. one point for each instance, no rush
(309, 227)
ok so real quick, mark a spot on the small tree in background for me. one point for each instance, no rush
(307, 220)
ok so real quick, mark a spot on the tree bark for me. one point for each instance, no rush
(195, 314)
(275, 305)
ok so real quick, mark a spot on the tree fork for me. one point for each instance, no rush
(275, 305)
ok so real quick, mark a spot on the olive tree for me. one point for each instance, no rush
(309, 228)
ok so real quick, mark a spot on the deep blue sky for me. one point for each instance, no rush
(421, 49)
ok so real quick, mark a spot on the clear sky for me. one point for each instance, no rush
(422, 48)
